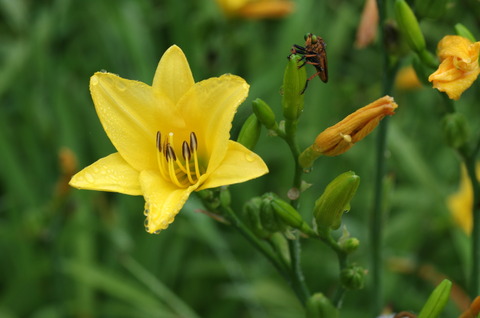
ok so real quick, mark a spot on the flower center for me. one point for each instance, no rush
(182, 172)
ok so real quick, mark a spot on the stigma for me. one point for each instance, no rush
(183, 170)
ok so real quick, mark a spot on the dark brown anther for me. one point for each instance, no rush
(186, 151)
(169, 153)
(159, 141)
(193, 142)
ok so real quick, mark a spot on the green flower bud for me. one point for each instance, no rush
(335, 200)
(349, 245)
(455, 130)
(437, 300)
(250, 132)
(319, 306)
(353, 277)
(408, 25)
(269, 217)
(294, 80)
(264, 113)
(432, 9)
(251, 217)
(225, 197)
(291, 216)
(462, 30)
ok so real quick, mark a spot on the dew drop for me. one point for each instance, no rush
(121, 86)
(250, 157)
(89, 177)
(308, 170)
(94, 80)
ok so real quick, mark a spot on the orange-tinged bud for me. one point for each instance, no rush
(340, 137)
(459, 65)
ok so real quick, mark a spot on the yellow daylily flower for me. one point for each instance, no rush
(459, 65)
(256, 9)
(460, 203)
(340, 137)
(172, 137)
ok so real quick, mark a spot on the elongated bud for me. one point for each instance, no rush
(437, 300)
(408, 25)
(462, 30)
(271, 221)
(294, 80)
(291, 216)
(251, 217)
(340, 137)
(455, 130)
(250, 132)
(432, 9)
(319, 306)
(335, 200)
(264, 113)
(353, 277)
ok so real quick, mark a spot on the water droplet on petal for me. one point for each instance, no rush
(89, 177)
(250, 156)
(121, 86)
(94, 80)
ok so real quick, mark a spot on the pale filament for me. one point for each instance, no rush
(171, 166)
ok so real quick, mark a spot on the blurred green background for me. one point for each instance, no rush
(71, 253)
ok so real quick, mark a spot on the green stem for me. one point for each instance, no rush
(294, 245)
(376, 216)
(259, 245)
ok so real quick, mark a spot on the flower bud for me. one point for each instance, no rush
(225, 197)
(408, 25)
(340, 137)
(269, 217)
(290, 216)
(349, 245)
(437, 300)
(319, 306)
(462, 30)
(353, 277)
(455, 130)
(294, 80)
(335, 200)
(264, 113)
(251, 217)
(250, 132)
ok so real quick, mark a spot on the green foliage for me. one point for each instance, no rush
(71, 253)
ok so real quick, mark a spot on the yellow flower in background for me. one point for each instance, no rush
(340, 137)
(256, 9)
(460, 204)
(172, 137)
(407, 79)
(459, 65)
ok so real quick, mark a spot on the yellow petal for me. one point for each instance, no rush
(239, 165)
(173, 77)
(454, 45)
(163, 200)
(131, 116)
(111, 173)
(208, 108)
(451, 80)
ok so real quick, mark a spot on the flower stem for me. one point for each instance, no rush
(376, 215)
(259, 245)
(294, 245)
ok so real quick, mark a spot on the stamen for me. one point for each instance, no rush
(187, 155)
(173, 175)
(169, 153)
(193, 149)
(159, 141)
